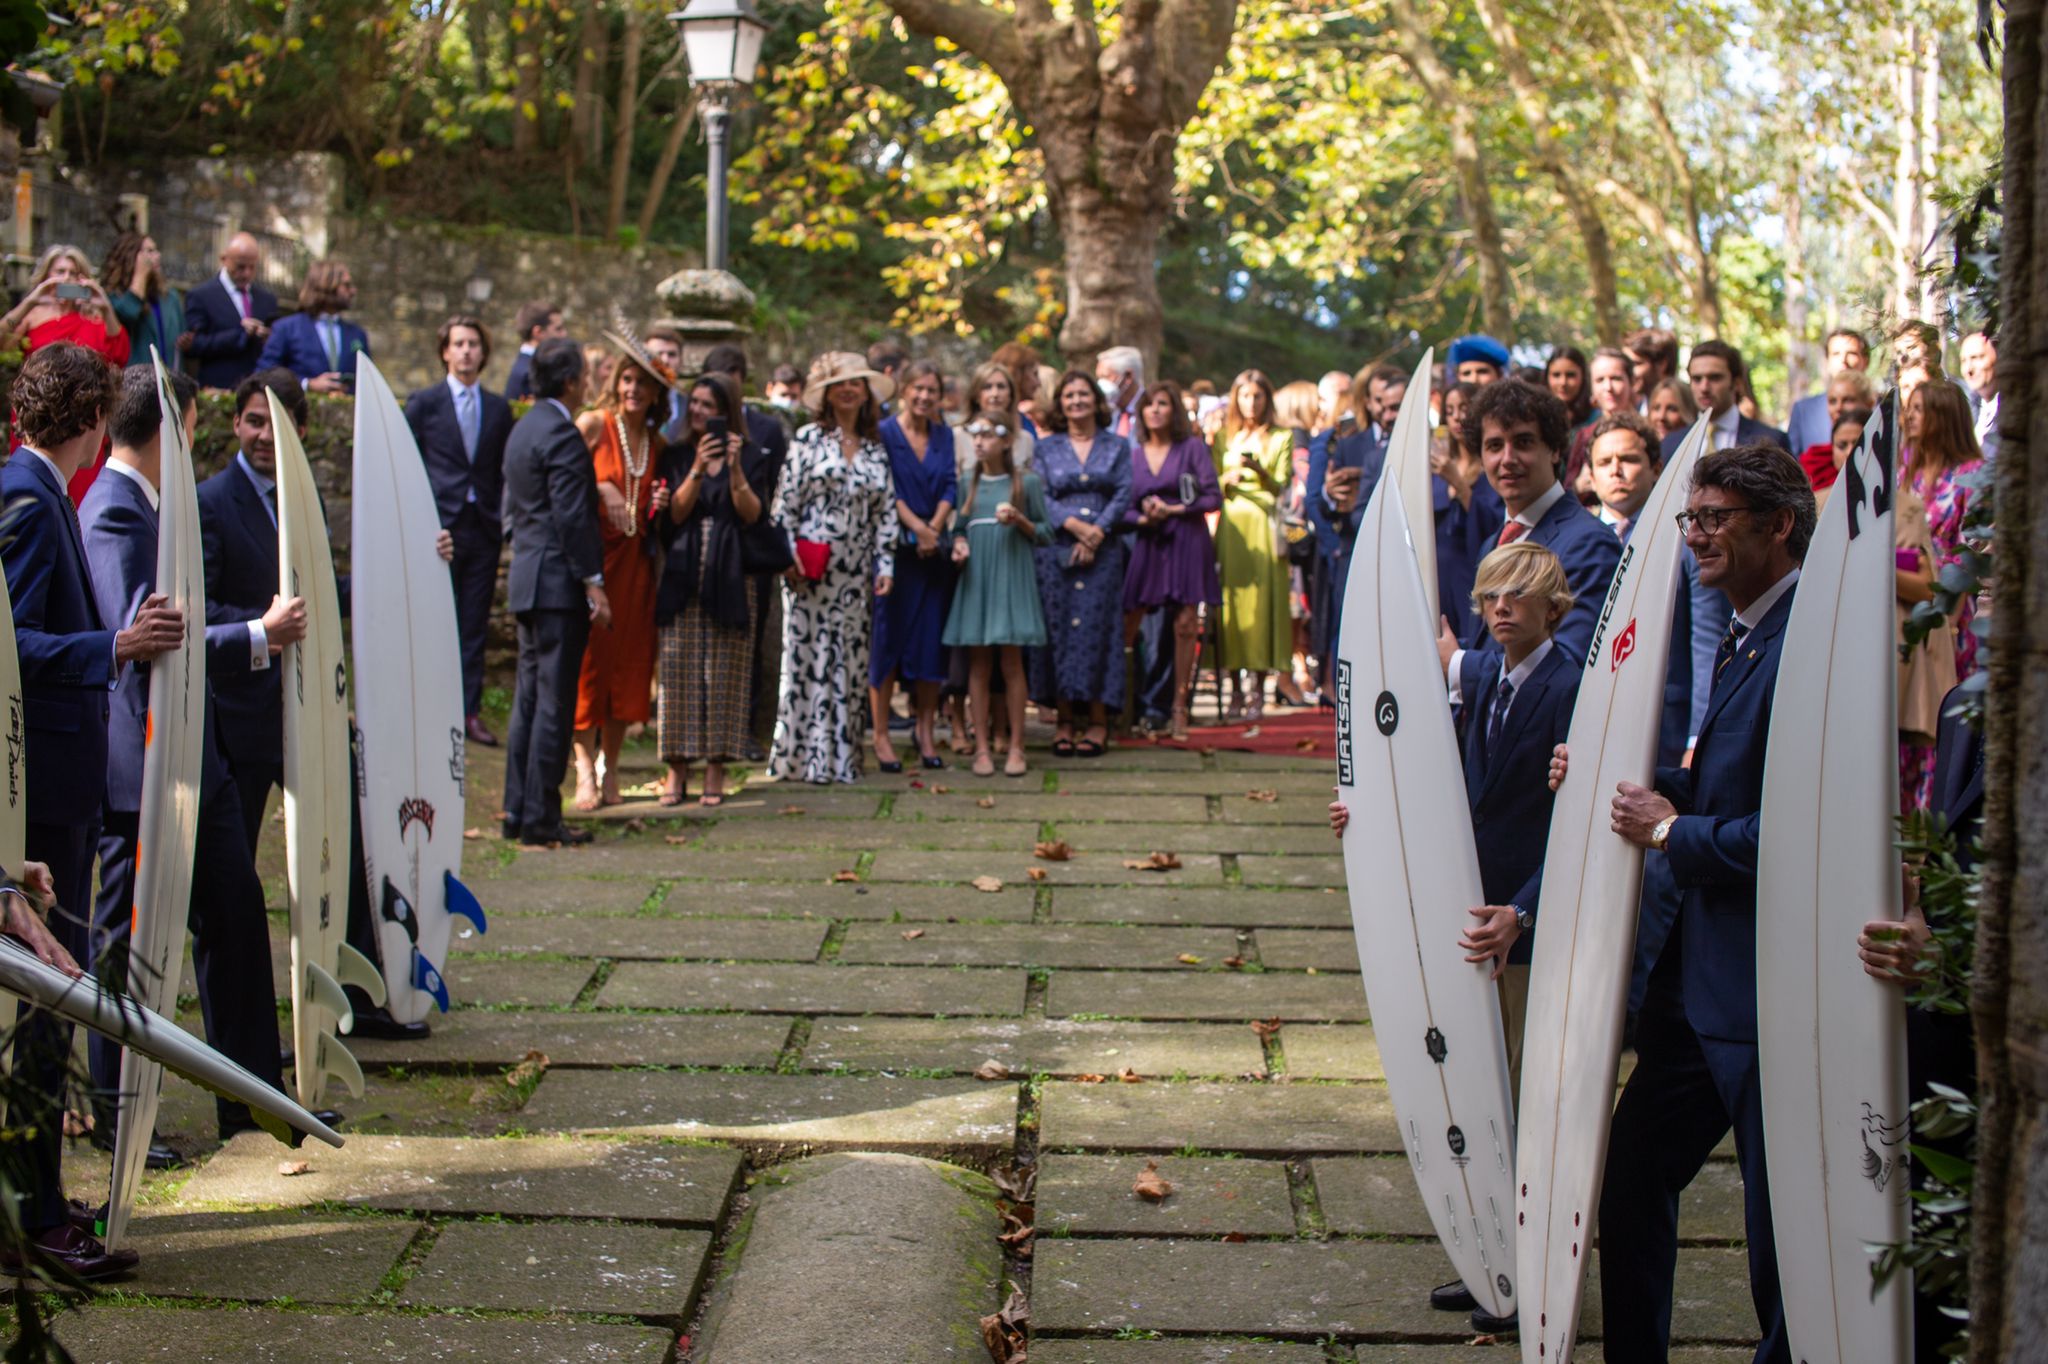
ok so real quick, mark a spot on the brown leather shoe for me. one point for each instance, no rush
(480, 733)
(77, 1252)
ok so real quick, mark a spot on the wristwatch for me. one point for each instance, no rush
(1661, 835)
(1524, 919)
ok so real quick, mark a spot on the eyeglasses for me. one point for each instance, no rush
(1708, 519)
(1504, 594)
(981, 428)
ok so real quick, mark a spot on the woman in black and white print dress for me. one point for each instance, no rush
(835, 491)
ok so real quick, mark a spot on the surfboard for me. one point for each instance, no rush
(316, 784)
(1414, 875)
(409, 721)
(1408, 461)
(1592, 878)
(14, 791)
(167, 827)
(144, 1032)
(1831, 1040)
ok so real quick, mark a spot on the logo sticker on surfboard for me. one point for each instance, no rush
(1433, 1043)
(415, 810)
(1624, 645)
(1386, 713)
(1344, 770)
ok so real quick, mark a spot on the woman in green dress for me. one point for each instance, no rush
(995, 602)
(1254, 465)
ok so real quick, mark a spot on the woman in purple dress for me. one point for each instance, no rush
(909, 621)
(1173, 560)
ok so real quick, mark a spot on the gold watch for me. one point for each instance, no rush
(1661, 835)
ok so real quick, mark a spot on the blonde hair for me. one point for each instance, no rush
(50, 257)
(1525, 567)
(1297, 405)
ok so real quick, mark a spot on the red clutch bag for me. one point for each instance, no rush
(811, 558)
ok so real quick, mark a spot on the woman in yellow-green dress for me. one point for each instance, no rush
(1254, 465)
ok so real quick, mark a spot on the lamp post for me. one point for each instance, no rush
(722, 41)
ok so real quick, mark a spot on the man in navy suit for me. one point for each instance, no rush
(1521, 433)
(230, 936)
(1341, 477)
(1810, 424)
(317, 343)
(1714, 369)
(1749, 519)
(71, 658)
(228, 318)
(555, 589)
(461, 428)
(535, 323)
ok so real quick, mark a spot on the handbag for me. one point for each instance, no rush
(764, 547)
(811, 558)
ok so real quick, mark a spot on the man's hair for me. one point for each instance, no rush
(1929, 334)
(61, 390)
(786, 374)
(531, 316)
(1858, 380)
(321, 293)
(137, 414)
(1769, 481)
(1526, 567)
(884, 357)
(723, 359)
(1727, 353)
(1125, 360)
(1862, 341)
(1655, 345)
(1510, 401)
(1628, 420)
(280, 381)
(475, 324)
(557, 363)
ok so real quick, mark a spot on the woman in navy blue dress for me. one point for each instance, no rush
(911, 619)
(1087, 473)
(1469, 515)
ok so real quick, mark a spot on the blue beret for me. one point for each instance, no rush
(1478, 348)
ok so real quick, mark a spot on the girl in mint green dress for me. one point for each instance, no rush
(995, 609)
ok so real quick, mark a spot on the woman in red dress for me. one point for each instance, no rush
(65, 302)
(616, 686)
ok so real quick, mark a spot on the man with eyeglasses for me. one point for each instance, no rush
(1748, 521)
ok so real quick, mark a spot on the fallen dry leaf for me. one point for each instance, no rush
(1265, 795)
(1150, 1185)
(677, 840)
(986, 803)
(942, 790)
(991, 1069)
(530, 1067)
(1089, 1079)
(1157, 861)
(991, 884)
(1305, 745)
(289, 1168)
(790, 810)
(1016, 1183)
(636, 825)
(1266, 1027)
(1017, 1227)
(1235, 1238)
(912, 934)
(917, 786)
(1188, 959)
(1234, 963)
(1129, 1076)
(845, 874)
(472, 834)
(1056, 851)
(1003, 1332)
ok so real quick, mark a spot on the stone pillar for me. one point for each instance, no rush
(708, 308)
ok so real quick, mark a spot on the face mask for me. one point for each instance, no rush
(1109, 388)
(782, 401)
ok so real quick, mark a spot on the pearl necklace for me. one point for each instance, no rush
(634, 473)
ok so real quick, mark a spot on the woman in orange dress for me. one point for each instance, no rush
(616, 686)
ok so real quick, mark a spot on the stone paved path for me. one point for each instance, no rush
(814, 971)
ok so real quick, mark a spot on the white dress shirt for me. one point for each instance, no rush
(1725, 426)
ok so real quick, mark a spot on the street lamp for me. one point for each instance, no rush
(722, 40)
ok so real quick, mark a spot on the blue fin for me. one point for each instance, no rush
(462, 901)
(425, 977)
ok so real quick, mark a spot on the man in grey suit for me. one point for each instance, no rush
(555, 589)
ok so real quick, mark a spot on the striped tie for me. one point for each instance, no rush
(1511, 532)
(1731, 644)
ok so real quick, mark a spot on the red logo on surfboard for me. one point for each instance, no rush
(415, 810)
(1624, 645)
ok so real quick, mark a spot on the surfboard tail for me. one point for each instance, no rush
(463, 902)
(427, 979)
(336, 1060)
(324, 990)
(353, 968)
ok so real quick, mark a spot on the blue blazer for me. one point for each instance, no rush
(295, 345)
(1463, 537)
(1698, 620)
(1748, 431)
(239, 541)
(1365, 450)
(550, 512)
(1712, 850)
(222, 354)
(66, 647)
(120, 530)
(450, 468)
(518, 380)
(1809, 423)
(1509, 787)
(1589, 552)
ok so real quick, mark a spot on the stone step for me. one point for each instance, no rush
(134, 1335)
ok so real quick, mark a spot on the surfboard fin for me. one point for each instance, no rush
(427, 979)
(336, 1060)
(355, 969)
(325, 990)
(463, 901)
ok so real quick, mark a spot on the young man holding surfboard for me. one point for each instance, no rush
(1748, 521)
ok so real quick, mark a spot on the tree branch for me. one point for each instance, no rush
(1870, 207)
(987, 33)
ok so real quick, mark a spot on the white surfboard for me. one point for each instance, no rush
(409, 721)
(1592, 879)
(167, 827)
(1831, 1040)
(1408, 464)
(14, 787)
(1414, 876)
(316, 784)
(144, 1032)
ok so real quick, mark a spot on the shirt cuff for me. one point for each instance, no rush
(1452, 674)
(259, 647)
(594, 580)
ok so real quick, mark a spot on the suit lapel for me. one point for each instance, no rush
(67, 515)
(1528, 698)
(1746, 659)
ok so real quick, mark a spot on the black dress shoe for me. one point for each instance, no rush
(333, 1117)
(568, 835)
(1487, 1324)
(379, 1026)
(86, 1219)
(160, 1157)
(510, 829)
(77, 1252)
(1453, 1297)
(479, 732)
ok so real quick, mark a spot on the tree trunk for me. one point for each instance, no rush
(680, 123)
(1906, 177)
(622, 135)
(589, 72)
(1798, 350)
(526, 79)
(1475, 195)
(1925, 177)
(1108, 120)
(2009, 993)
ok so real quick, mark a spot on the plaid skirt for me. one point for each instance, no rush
(707, 683)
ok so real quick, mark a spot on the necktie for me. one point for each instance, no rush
(1123, 424)
(242, 296)
(1511, 532)
(1731, 644)
(466, 415)
(1621, 529)
(1502, 696)
(330, 337)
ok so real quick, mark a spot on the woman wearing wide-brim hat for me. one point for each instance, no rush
(614, 690)
(837, 503)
